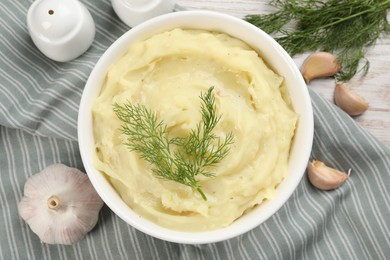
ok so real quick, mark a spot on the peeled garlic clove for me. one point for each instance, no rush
(324, 177)
(349, 101)
(320, 64)
(60, 204)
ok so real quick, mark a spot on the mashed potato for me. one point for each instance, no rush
(167, 73)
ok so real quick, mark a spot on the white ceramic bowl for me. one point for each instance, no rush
(277, 59)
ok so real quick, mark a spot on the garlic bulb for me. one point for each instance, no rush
(320, 64)
(349, 101)
(324, 177)
(60, 204)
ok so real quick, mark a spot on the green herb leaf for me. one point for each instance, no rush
(178, 159)
(343, 27)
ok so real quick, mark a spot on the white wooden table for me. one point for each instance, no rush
(374, 87)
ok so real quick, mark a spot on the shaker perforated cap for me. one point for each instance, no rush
(134, 12)
(62, 30)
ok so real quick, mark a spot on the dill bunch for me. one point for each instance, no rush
(178, 159)
(343, 27)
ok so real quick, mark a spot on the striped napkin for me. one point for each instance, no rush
(38, 120)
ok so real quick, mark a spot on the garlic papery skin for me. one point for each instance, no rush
(320, 64)
(349, 101)
(324, 177)
(60, 204)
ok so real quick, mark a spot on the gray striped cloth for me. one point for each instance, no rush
(38, 110)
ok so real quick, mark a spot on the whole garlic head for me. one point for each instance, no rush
(60, 204)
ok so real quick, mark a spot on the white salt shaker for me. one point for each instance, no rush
(133, 12)
(61, 29)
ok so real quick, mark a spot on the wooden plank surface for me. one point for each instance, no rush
(374, 87)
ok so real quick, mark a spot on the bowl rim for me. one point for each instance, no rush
(104, 189)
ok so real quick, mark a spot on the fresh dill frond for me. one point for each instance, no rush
(343, 27)
(178, 159)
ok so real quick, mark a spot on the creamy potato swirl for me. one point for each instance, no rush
(167, 73)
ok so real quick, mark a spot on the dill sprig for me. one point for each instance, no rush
(178, 159)
(343, 27)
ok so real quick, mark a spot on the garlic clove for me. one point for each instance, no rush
(320, 64)
(349, 101)
(324, 177)
(60, 204)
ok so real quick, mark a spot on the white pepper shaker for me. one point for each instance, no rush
(133, 12)
(61, 29)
